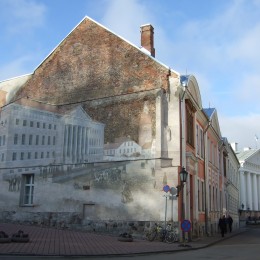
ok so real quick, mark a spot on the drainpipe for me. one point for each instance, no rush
(206, 175)
(183, 149)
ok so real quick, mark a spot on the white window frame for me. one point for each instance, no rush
(27, 191)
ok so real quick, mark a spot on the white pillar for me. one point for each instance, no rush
(255, 195)
(79, 143)
(70, 141)
(242, 189)
(249, 191)
(66, 141)
(258, 189)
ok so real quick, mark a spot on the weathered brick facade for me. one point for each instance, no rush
(93, 63)
(128, 91)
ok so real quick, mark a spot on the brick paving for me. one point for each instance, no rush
(56, 242)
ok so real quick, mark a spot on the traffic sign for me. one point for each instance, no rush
(186, 225)
(173, 191)
(166, 188)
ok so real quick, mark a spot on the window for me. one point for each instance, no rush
(14, 157)
(29, 155)
(31, 123)
(44, 125)
(16, 139)
(54, 127)
(210, 202)
(27, 189)
(37, 140)
(199, 141)
(38, 124)
(43, 140)
(49, 126)
(17, 121)
(23, 139)
(42, 155)
(3, 157)
(213, 199)
(202, 196)
(24, 122)
(30, 139)
(199, 198)
(4, 140)
(54, 140)
(49, 140)
(189, 125)
(22, 155)
(36, 155)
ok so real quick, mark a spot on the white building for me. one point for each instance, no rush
(36, 141)
(83, 138)
(122, 148)
(231, 184)
(249, 182)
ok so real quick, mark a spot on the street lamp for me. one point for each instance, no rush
(242, 208)
(183, 178)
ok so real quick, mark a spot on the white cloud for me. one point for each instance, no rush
(22, 16)
(241, 129)
(249, 89)
(246, 47)
(125, 17)
(15, 68)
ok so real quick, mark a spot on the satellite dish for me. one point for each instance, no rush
(173, 190)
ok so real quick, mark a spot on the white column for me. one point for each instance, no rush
(249, 191)
(70, 141)
(87, 141)
(79, 143)
(255, 195)
(74, 143)
(84, 142)
(242, 189)
(258, 189)
(66, 142)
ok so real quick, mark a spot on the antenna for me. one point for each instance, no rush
(256, 141)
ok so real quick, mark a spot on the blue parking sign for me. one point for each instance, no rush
(186, 225)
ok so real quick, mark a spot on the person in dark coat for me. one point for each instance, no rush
(222, 225)
(229, 222)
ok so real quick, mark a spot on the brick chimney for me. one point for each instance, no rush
(147, 40)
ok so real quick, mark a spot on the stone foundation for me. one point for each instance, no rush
(69, 220)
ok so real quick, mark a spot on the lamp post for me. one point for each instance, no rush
(183, 179)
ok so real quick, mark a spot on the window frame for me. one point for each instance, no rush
(27, 190)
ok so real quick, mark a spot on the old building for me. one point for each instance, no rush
(249, 173)
(102, 92)
(231, 184)
(125, 89)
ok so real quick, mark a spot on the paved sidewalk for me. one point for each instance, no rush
(55, 242)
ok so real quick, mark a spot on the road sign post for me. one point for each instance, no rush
(185, 227)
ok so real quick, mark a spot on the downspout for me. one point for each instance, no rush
(221, 169)
(184, 85)
(206, 175)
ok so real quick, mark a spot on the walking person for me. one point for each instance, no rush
(222, 225)
(230, 222)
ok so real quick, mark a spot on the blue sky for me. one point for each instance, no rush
(216, 41)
